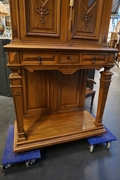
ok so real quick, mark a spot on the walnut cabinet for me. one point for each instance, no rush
(54, 43)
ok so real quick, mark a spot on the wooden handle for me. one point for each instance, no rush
(71, 3)
(93, 60)
(39, 59)
(71, 7)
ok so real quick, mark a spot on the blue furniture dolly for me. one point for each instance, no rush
(107, 138)
(9, 157)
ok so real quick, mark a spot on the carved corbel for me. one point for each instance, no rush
(68, 70)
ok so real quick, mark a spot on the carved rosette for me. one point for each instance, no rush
(16, 92)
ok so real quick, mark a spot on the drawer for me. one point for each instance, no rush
(38, 58)
(93, 59)
(68, 58)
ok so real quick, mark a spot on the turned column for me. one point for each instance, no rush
(105, 81)
(16, 85)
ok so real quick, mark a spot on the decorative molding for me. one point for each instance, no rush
(42, 12)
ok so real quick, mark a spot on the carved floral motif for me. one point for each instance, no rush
(42, 11)
(87, 18)
(88, 6)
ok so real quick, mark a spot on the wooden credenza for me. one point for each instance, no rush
(54, 43)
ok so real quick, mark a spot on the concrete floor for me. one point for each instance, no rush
(71, 161)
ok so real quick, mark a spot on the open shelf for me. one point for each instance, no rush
(58, 128)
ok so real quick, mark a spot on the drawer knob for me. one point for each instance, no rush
(69, 58)
(39, 59)
(93, 60)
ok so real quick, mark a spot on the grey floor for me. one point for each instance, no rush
(71, 161)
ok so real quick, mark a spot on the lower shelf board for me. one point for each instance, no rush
(54, 129)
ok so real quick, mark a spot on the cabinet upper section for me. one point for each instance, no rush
(61, 21)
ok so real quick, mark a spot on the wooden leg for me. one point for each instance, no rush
(103, 92)
(16, 85)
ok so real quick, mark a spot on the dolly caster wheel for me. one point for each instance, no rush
(30, 162)
(92, 147)
(108, 145)
(6, 167)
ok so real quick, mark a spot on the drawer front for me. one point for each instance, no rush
(69, 58)
(38, 58)
(93, 59)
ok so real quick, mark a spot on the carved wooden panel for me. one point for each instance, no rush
(43, 17)
(87, 18)
(36, 92)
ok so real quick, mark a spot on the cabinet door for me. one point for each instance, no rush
(40, 20)
(86, 21)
